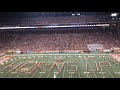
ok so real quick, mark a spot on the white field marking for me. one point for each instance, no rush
(101, 67)
(111, 65)
(27, 72)
(7, 66)
(96, 65)
(92, 69)
(11, 75)
(10, 70)
(40, 75)
(2, 63)
(84, 66)
(1, 72)
(97, 69)
(114, 71)
(25, 75)
(48, 74)
(109, 73)
(63, 72)
(16, 66)
(71, 75)
(34, 73)
(19, 74)
(4, 75)
(78, 72)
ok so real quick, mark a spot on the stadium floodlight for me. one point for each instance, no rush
(78, 14)
(73, 14)
(114, 14)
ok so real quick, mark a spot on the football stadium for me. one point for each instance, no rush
(59, 45)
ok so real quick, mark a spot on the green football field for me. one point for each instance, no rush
(60, 66)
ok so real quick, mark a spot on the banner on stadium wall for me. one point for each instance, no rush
(49, 52)
(71, 51)
(64, 51)
(95, 47)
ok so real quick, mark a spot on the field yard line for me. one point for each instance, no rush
(115, 71)
(100, 73)
(40, 75)
(92, 69)
(25, 75)
(109, 73)
(8, 71)
(88, 75)
(10, 75)
(63, 71)
(12, 62)
(84, 66)
(17, 75)
(79, 73)
(34, 73)
(17, 72)
(4, 74)
(48, 74)
(7, 66)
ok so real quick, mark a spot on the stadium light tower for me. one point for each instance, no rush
(114, 14)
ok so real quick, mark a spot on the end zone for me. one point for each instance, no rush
(5, 58)
(116, 57)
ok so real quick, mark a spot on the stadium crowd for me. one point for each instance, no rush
(36, 41)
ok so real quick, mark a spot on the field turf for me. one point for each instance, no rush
(60, 66)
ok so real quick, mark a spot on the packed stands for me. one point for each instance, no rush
(36, 41)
